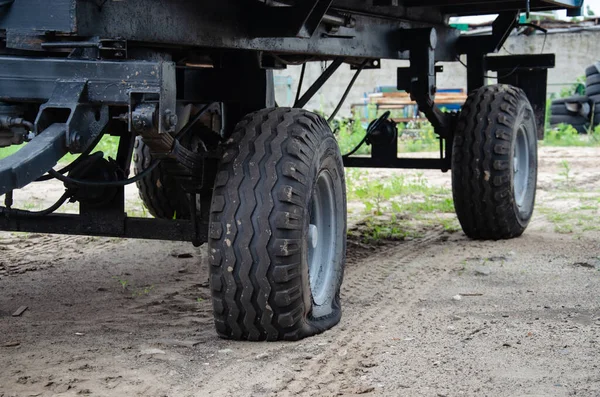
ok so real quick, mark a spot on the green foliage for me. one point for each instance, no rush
(124, 283)
(399, 207)
(108, 144)
(589, 11)
(142, 291)
(349, 133)
(398, 194)
(422, 140)
(565, 172)
(374, 230)
(566, 135)
(577, 88)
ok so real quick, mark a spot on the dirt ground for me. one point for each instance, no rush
(438, 315)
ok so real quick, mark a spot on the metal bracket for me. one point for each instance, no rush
(69, 105)
(420, 79)
(297, 21)
(312, 90)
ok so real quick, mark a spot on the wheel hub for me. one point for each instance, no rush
(521, 166)
(322, 231)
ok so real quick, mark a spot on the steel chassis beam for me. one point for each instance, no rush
(224, 24)
(419, 164)
(144, 228)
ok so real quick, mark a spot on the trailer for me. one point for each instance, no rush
(187, 86)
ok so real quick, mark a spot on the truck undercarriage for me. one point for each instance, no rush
(187, 87)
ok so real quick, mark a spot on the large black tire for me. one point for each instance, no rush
(263, 206)
(593, 90)
(496, 126)
(159, 192)
(593, 79)
(595, 99)
(576, 119)
(561, 110)
(571, 99)
(592, 70)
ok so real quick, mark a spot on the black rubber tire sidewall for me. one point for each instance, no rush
(591, 70)
(572, 99)
(593, 90)
(159, 192)
(561, 110)
(593, 79)
(575, 119)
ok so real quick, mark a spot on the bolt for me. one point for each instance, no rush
(171, 120)
(75, 142)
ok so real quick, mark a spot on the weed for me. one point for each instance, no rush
(450, 225)
(577, 220)
(122, 282)
(566, 135)
(142, 291)
(409, 200)
(565, 172)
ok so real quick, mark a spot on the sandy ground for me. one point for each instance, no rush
(438, 315)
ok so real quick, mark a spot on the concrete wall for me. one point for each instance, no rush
(574, 52)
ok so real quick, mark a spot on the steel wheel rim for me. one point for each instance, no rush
(321, 239)
(521, 166)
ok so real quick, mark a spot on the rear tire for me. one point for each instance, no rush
(494, 165)
(279, 192)
(160, 193)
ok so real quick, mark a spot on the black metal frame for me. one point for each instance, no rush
(93, 59)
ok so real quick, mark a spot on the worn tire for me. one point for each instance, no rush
(575, 121)
(593, 90)
(160, 194)
(259, 224)
(571, 99)
(561, 110)
(484, 181)
(592, 80)
(592, 70)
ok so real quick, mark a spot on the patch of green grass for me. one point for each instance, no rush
(423, 139)
(142, 291)
(122, 282)
(566, 135)
(428, 205)
(7, 151)
(450, 224)
(373, 230)
(400, 206)
(349, 132)
(576, 220)
(108, 144)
